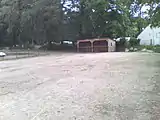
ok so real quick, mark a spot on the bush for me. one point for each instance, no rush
(134, 42)
(157, 49)
(121, 45)
(148, 47)
(151, 47)
(122, 41)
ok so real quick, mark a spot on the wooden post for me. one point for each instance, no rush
(16, 54)
(92, 47)
(28, 52)
(77, 46)
(38, 52)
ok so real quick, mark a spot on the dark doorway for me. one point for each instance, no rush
(100, 46)
(85, 46)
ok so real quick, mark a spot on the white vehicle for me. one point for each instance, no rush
(2, 54)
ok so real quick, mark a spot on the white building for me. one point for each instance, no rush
(150, 36)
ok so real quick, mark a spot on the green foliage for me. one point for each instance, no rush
(151, 47)
(42, 21)
(123, 41)
(148, 47)
(157, 49)
(102, 18)
(134, 42)
(30, 22)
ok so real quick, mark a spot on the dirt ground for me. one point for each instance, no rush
(102, 86)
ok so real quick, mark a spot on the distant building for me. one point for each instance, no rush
(150, 36)
(96, 45)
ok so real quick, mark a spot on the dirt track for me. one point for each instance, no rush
(102, 86)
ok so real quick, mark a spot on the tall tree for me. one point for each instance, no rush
(42, 18)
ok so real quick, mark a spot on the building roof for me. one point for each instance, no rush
(150, 36)
(148, 31)
(95, 39)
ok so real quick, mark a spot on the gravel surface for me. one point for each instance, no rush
(102, 86)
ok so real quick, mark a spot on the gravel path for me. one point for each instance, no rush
(102, 86)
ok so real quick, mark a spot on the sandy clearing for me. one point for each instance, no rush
(113, 86)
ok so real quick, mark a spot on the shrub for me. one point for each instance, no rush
(121, 45)
(150, 47)
(157, 49)
(134, 42)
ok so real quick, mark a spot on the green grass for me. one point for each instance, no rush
(150, 47)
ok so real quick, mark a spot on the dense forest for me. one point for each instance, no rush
(24, 22)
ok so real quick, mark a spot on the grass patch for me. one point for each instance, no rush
(155, 48)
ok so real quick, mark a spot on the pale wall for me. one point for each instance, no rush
(150, 36)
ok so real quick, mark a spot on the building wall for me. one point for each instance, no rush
(150, 36)
(111, 46)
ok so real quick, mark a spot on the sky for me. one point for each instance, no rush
(68, 4)
(143, 10)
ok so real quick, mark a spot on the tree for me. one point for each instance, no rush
(44, 21)
(33, 21)
(154, 11)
